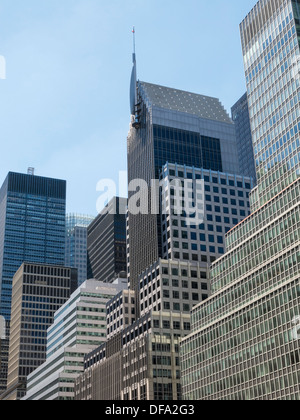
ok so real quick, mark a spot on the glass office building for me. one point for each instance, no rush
(32, 222)
(170, 125)
(244, 343)
(76, 243)
(168, 290)
(240, 116)
(106, 242)
(270, 40)
(32, 229)
(245, 338)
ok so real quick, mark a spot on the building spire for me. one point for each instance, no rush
(133, 83)
(133, 32)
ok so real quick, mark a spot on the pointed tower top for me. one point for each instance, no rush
(133, 93)
(133, 32)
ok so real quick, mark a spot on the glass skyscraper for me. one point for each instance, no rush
(270, 40)
(32, 229)
(170, 125)
(106, 242)
(241, 119)
(76, 243)
(174, 136)
(245, 338)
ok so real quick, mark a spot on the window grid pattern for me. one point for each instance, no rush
(273, 93)
(250, 355)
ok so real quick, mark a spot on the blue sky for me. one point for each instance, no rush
(64, 106)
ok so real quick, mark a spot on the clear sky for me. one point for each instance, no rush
(64, 106)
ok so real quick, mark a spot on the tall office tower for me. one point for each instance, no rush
(79, 327)
(107, 242)
(169, 125)
(38, 292)
(76, 243)
(240, 116)
(140, 359)
(32, 220)
(245, 337)
(168, 257)
(197, 231)
(271, 58)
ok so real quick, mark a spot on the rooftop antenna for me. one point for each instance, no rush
(134, 105)
(133, 32)
(30, 171)
(133, 83)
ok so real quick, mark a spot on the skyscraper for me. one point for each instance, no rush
(241, 119)
(245, 338)
(221, 203)
(168, 290)
(38, 292)
(76, 243)
(79, 327)
(189, 139)
(32, 229)
(271, 59)
(106, 242)
(170, 125)
(182, 135)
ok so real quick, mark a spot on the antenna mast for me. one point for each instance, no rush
(134, 105)
(133, 32)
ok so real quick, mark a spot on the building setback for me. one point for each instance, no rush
(38, 292)
(107, 242)
(174, 135)
(244, 343)
(245, 332)
(32, 228)
(141, 361)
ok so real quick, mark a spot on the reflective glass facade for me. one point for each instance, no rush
(106, 242)
(240, 116)
(270, 39)
(176, 127)
(245, 338)
(32, 227)
(76, 243)
(186, 148)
